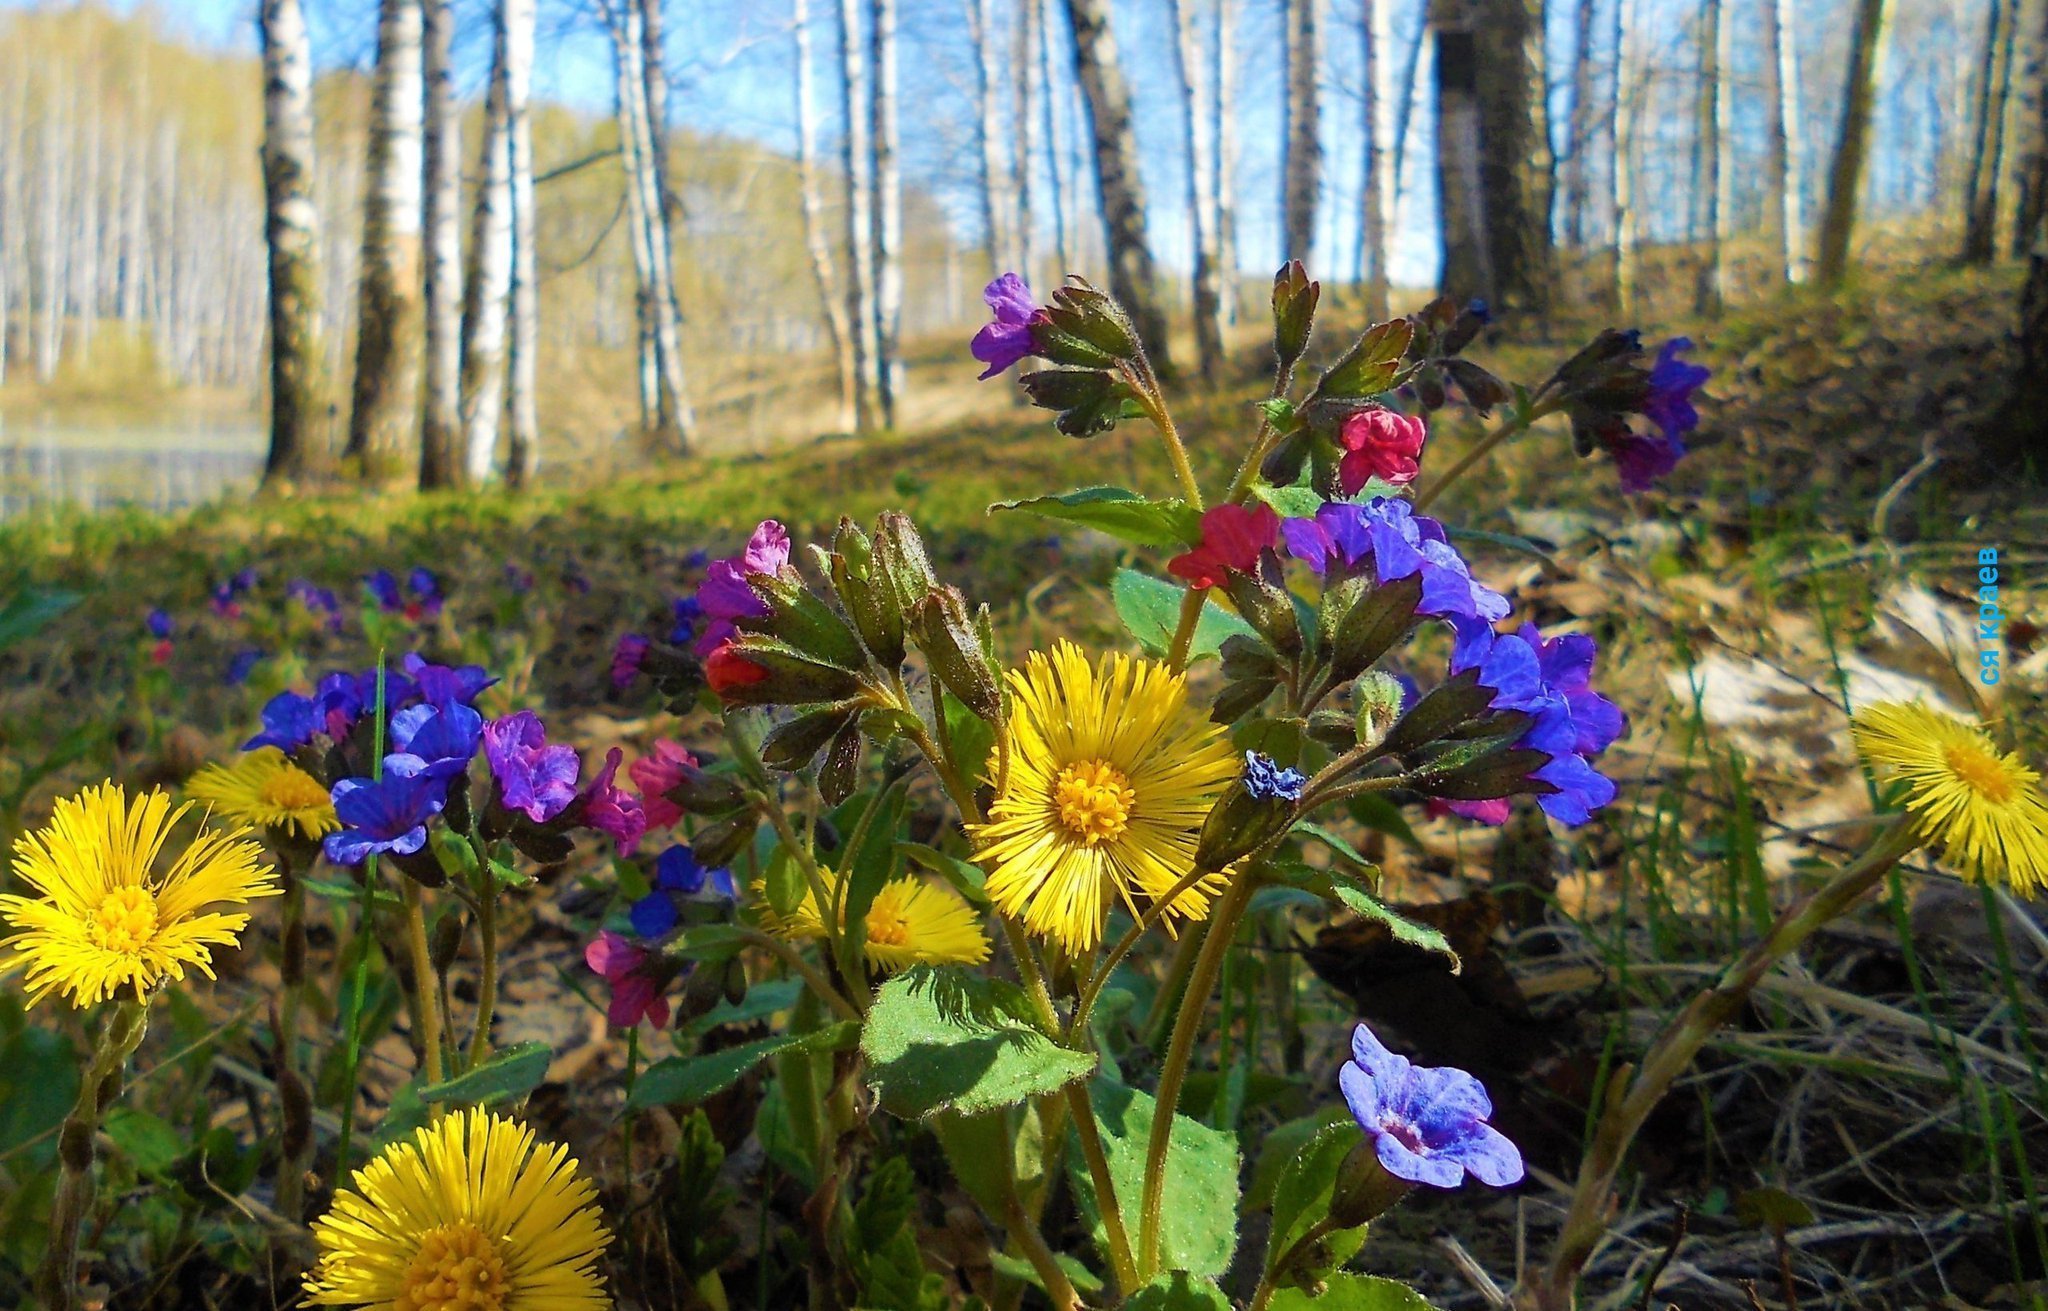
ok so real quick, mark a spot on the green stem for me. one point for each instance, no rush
(1184, 631)
(1025, 1234)
(1632, 1099)
(1122, 1263)
(428, 1011)
(1241, 484)
(1315, 1233)
(1147, 388)
(817, 983)
(1507, 428)
(487, 986)
(295, 1111)
(57, 1280)
(626, 1118)
(1222, 932)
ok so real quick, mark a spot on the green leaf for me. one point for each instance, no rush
(1122, 514)
(38, 1084)
(1085, 1281)
(337, 890)
(506, 1076)
(966, 877)
(149, 1143)
(1297, 502)
(682, 1080)
(1369, 366)
(1338, 845)
(1150, 610)
(760, 1002)
(1507, 541)
(708, 943)
(972, 737)
(946, 1040)
(1302, 1195)
(1178, 1291)
(1278, 1148)
(1383, 816)
(30, 610)
(1198, 1229)
(1351, 1293)
(868, 863)
(1366, 906)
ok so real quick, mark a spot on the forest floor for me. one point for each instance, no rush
(1821, 545)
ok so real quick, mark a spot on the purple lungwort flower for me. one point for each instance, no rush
(1007, 339)
(383, 589)
(1266, 780)
(423, 583)
(613, 810)
(290, 720)
(677, 873)
(534, 778)
(385, 815)
(1398, 543)
(626, 658)
(446, 684)
(687, 612)
(240, 665)
(1668, 402)
(1427, 1124)
(1548, 680)
(442, 739)
(724, 596)
(159, 623)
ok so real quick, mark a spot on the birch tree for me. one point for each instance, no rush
(522, 447)
(1061, 187)
(816, 244)
(441, 406)
(1787, 152)
(487, 286)
(1189, 67)
(1621, 145)
(1717, 131)
(384, 404)
(291, 234)
(2029, 130)
(1301, 172)
(1376, 32)
(1224, 79)
(1100, 74)
(858, 161)
(888, 216)
(1980, 216)
(1024, 102)
(995, 215)
(1852, 141)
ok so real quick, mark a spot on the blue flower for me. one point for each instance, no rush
(159, 623)
(677, 873)
(423, 583)
(1667, 402)
(289, 722)
(1265, 780)
(435, 740)
(687, 612)
(383, 589)
(443, 684)
(240, 664)
(1550, 682)
(1398, 543)
(385, 815)
(1427, 1124)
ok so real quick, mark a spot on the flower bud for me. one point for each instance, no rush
(840, 769)
(721, 843)
(1080, 309)
(793, 745)
(905, 568)
(1376, 701)
(1268, 609)
(856, 577)
(1283, 463)
(952, 646)
(806, 623)
(761, 671)
(1364, 1190)
(446, 943)
(1294, 311)
(1260, 804)
(700, 793)
(1365, 622)
(1089, 400)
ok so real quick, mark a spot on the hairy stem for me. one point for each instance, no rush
(487, 985)
(57, 1280)
(427, 1009)
(1123, 1265)
(1507, 428)
(1025, 1235)
(295, 1110)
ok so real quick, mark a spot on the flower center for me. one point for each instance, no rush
(456, 1269)
(1095, 800)
(292, 789)
(124, 921)
(885, 930)
(1401, 1132)
(1980, 771)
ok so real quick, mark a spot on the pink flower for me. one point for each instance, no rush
(611, 809)
(1382, 444)
(636, 979)
(724, 595)
(1232, 538)
(654, 775)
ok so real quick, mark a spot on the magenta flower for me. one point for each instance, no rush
(611, 809)
(724, 596)
(1232, 538)
(655, 774)
(1007, 339)
(1427, 1124)
(626, 658)
(1383, 444)
(636, 978)
(534, 778)
(1668, 402)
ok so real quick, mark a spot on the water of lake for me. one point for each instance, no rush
(162, 465)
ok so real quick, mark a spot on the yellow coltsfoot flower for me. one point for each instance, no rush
(471, 1214)
(1982, 807)
(912, 922)
(103, 921)
(1111, 775)
(264, 789)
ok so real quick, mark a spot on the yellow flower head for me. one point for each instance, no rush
(1984, 808)
(104, 921)
(265, 789)
(470, 1215)
(912, 922)
(1111, 775)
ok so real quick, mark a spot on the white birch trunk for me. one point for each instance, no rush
(860, 217)
(1787, 149)
(487, 289)
(817, 244)
(522, 454)
(888, 217)
(291, 232)
(384, 409)
(441, 401)
(1188, 67)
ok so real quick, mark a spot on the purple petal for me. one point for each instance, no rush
(1491, 1158)
(1416, 1167)
(1372, 1056)
(1362, 1094)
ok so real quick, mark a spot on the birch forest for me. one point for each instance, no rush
(447, 241)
